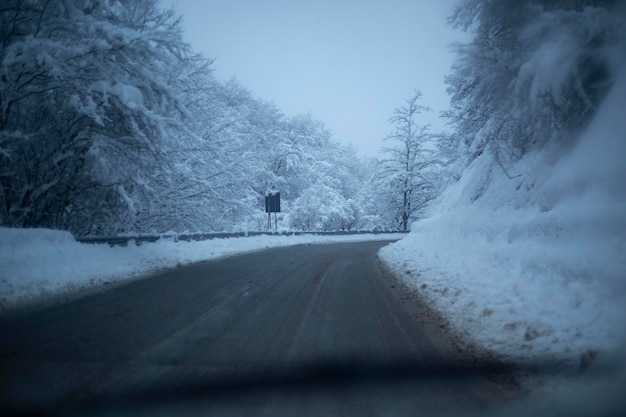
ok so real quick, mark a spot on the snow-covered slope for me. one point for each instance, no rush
(37, 263)
(532, 266)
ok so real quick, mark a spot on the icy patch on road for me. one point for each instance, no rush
(36, 263)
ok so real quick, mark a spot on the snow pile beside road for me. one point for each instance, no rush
(533, 266)
(36, 263)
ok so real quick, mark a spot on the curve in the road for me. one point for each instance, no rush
(263, 314)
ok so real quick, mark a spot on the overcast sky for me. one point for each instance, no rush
(347, 62)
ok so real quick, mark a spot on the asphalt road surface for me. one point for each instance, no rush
(305, 330)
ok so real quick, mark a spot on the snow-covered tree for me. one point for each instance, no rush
(534, 72)
(110, 123)
(404, 177)
(86, 111)
(321, 207)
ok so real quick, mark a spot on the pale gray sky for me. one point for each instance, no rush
(347, 62)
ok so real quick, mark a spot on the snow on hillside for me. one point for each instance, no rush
(38, 263)
(534, 266)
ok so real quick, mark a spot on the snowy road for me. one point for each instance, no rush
(236, 327)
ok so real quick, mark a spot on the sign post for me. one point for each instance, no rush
(272, 205)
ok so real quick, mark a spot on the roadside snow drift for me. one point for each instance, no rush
(533, 266)
(37, 263)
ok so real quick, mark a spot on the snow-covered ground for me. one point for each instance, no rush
(534, 266)
(39, 263)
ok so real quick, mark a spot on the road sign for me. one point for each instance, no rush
(272, 202)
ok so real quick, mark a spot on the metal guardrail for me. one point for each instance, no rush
(187, 237)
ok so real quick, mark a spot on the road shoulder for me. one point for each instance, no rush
(501, 387)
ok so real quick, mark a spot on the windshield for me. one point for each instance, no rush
(318, 208)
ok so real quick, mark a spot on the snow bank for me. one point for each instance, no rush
(36, 263)
(533, 266)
